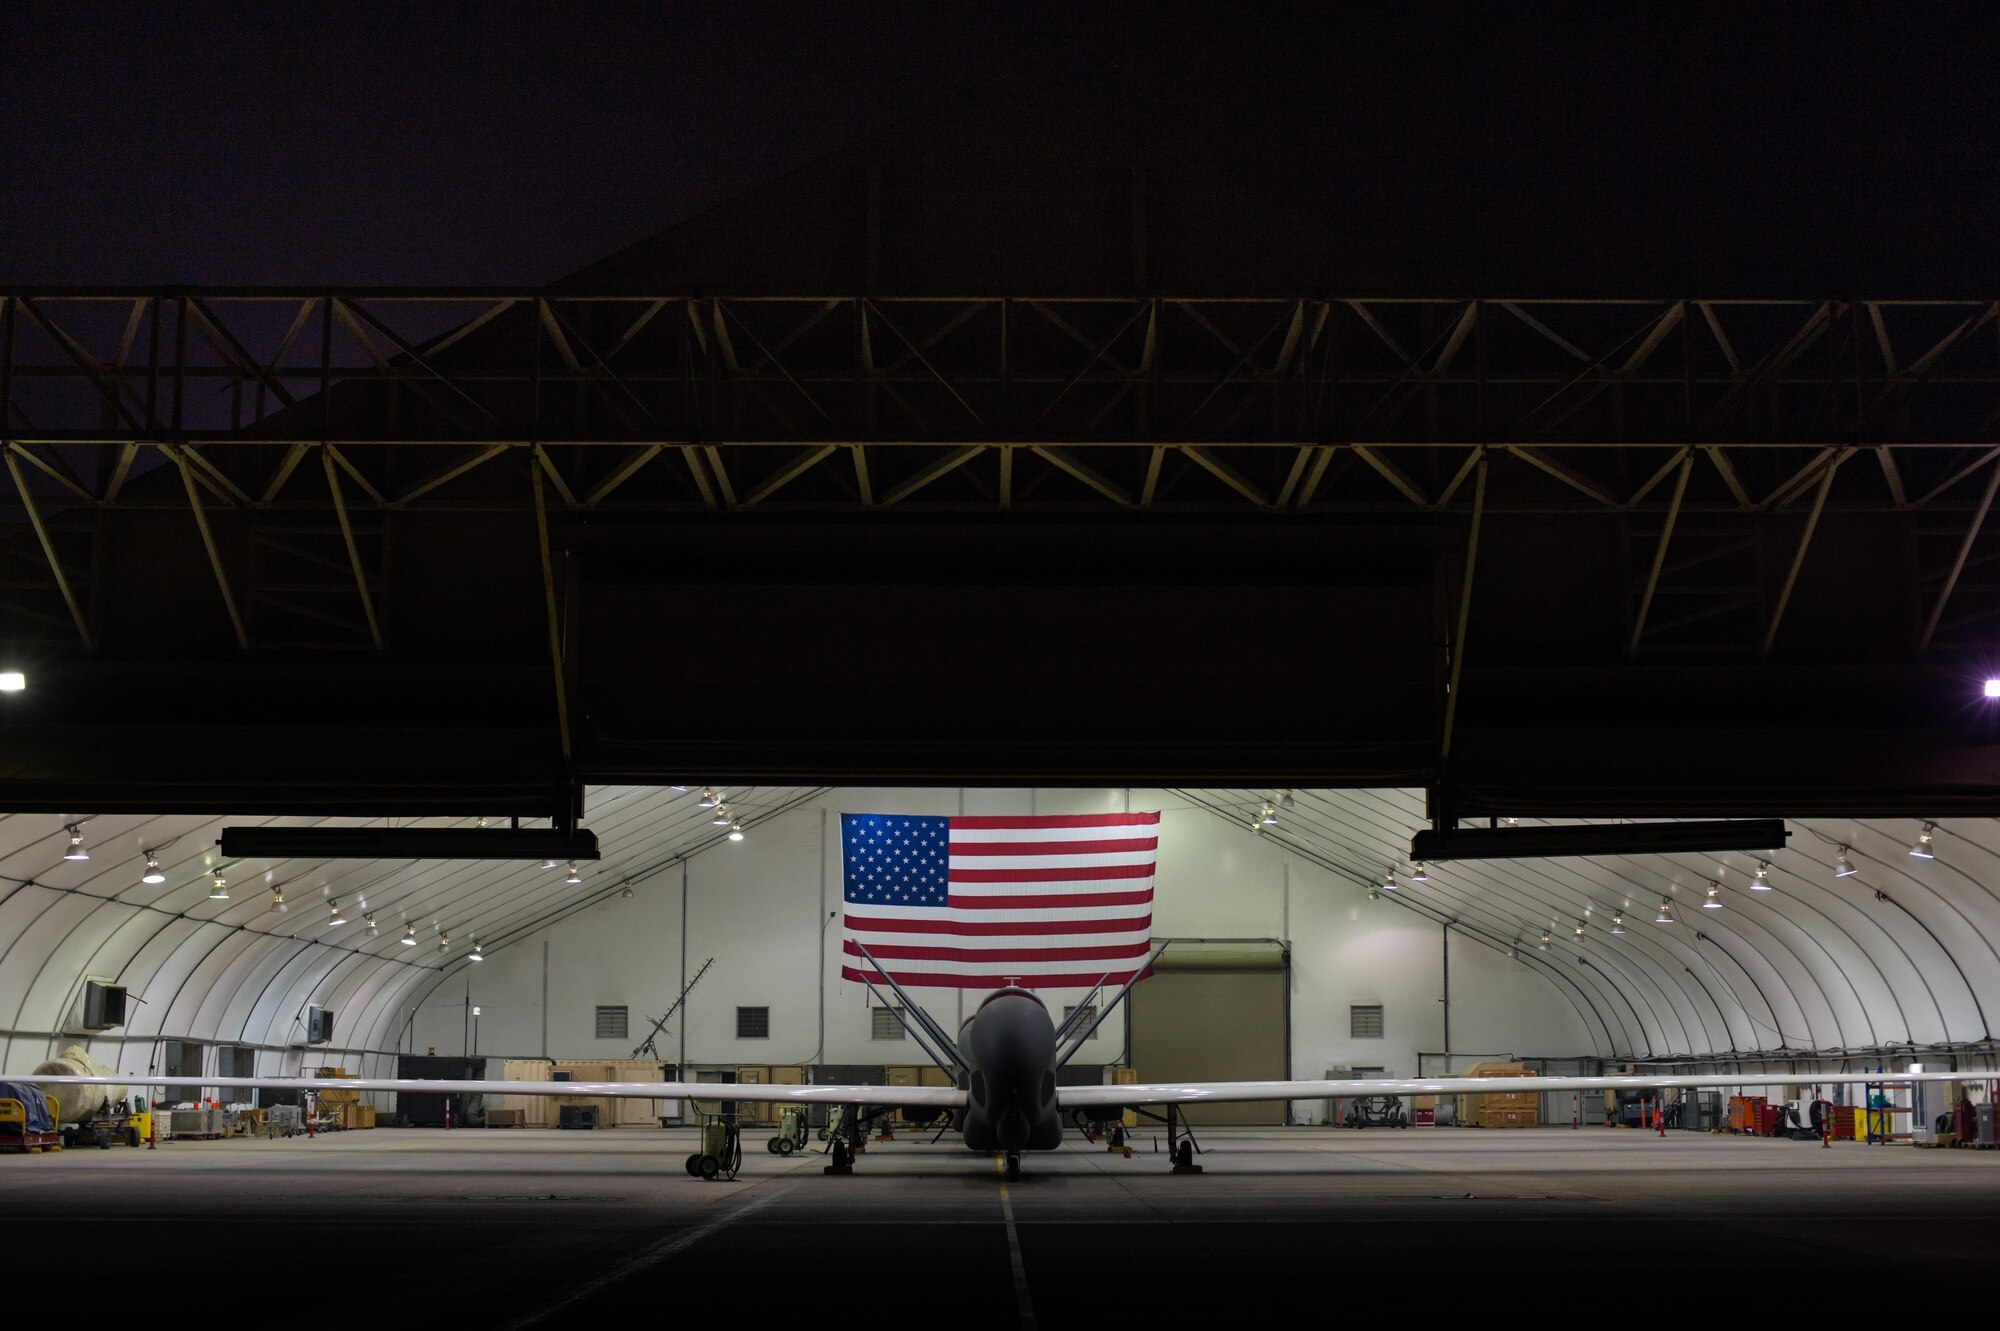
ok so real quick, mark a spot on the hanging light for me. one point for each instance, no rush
(409, 938)
(444, 942)
(1268, 815)
(1618, 923)
(550, 864)
(573, 878)
(1579, 928)
(373, 931)
(626, 895)
(735, 830)
(1713, 899)
(1284, 799)
(333, 913)
(218, 888)
(1389, 882)
(1374, 892)
(1761, 880)
(1843, 867)
(720, 818)
(1419, 874)
(153, 873)
(1666, 915)
(707, 800)
(1923, 849)
(475, 954)
(76, 850)
(278, 900)
(1543, 946)
(12, 681)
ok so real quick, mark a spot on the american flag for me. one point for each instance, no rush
(979, 902)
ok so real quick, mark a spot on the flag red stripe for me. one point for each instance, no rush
(1144, 898)
(1015, 824)
(890, 924)
(994, 956)
(946, 980)
(1059, 874)
(1133, 845)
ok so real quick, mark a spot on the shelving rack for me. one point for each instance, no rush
(1878, 1125)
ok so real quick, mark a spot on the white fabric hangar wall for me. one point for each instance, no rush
(766, 910)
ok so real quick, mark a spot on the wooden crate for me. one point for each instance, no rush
(357, 1116)
(504, 1118)
(337, 1097)
(1127, 1077)
(753, 1111)
(635, 1113)
(1508, 1118)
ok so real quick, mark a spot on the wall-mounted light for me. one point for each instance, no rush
(153, 872)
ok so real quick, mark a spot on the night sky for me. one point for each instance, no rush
(1814, 149)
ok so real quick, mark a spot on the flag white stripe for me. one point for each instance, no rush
(867, 914)
(1089, 861)
(874, 938)
(1020, 888)
(901, 966)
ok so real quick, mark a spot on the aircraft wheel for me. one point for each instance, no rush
(694, 1165)
(1184, 1153)
(1013, 1166)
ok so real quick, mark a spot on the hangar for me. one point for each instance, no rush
(956, 477)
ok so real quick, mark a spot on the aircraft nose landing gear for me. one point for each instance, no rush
(1013, 1166)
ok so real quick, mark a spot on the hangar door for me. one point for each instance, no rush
(1216, 1012)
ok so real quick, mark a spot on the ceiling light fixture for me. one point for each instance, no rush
(720, 818)
(1543, 946)
(573, 877)
(1844, 867)
(1419, 874)
(218, 888)
(1993, 688)
(153, 873)
(1618, 923)
(1713, 900)
(1579, 928)
(1761, 880)
(444, 942)
(475, 954)
(1923, 849)
(550, 864)
(373, 931)
(1374, 892)
(278, 901)
(1389, 882)
(707, 800)
(1268, 815)
(76, 850)
(333, 913)
(409, 938)
(12, 681)
(1284, 799)
(626, 895)
(735, 830)
(1666, 915)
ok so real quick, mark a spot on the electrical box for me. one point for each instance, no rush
(101, 1006)
(319, 1025)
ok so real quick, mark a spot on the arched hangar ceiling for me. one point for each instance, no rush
(1902, 955)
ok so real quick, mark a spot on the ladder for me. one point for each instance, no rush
(648, 1049)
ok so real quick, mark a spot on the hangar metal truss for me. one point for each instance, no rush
(350, 404)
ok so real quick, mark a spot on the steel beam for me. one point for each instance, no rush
(1660, 551)
(180, 456)
(1958, 562)
(353, 548)
(1805, 542)
(49, 550)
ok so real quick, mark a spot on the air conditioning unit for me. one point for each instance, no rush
(101, 1006)
(319, 1025)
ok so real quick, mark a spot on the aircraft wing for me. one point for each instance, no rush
(902, 1097)
(1222, 1092)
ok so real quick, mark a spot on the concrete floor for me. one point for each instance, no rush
(509, 1228)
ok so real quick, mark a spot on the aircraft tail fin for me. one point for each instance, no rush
(1076, 1045)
